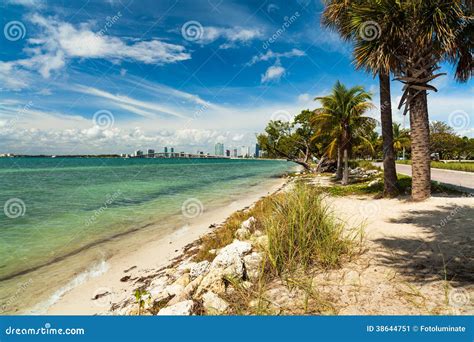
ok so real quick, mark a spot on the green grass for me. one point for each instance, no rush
(365, 164)
(457, 166)
(224, 235)
(362, 188)
(302, 232)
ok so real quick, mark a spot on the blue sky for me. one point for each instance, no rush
(114, 76)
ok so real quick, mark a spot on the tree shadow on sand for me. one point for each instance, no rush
(447, 253)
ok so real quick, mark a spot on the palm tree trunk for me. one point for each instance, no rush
(389, 168)
(339, 162)
(345, 176)
(420, 148)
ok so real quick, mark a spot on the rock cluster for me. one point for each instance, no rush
(199, 287)
(362, 173)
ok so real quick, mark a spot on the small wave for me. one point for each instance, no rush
(95, 271)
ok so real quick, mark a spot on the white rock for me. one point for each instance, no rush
(174, 289)
(188, 291)
(186, 266)
(371, 172)
(228, 263)
(242, 233)
(373, 183)
(213, 281)
(249, 223)
(184, 308)
(253, 264)
(213, 304)
(158, 286)
(228, 255)
(199, 269)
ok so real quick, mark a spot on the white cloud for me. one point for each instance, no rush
(143, 108)
(60, 41)
(82, 42)
(273, 73)
(175, 93)
(13, 78)
(233, 36)
(304, 98)
(26, 3)
(270, 55)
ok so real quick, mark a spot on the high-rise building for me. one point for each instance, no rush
(235, 153)
(245, 151)
(257, 150)
(172, 151)
(166, 151)
(150, 153)
(227, 153)
(138, 153)
(219, 149)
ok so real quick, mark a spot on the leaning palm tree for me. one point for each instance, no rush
(414, 37)
(337, 16)
(342, 115)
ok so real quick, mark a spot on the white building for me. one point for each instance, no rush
(245, 151)
(219, 149)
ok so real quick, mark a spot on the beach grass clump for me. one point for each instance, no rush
(302, 232)
(224, 234)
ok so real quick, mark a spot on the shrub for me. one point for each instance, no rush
(302, 232)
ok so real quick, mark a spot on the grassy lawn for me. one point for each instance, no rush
(363, 188)
(457, 166)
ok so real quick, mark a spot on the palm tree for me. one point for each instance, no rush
(401, 138)
(342, 117)
(414, 37)
(337, 15)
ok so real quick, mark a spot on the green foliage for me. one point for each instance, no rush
(290, 140)
(140, 299)
(363, 188)
(449, 145)
(302, 232)
(456, 166)
(341, 117)
(224, 235)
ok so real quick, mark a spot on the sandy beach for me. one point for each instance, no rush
(96, 293)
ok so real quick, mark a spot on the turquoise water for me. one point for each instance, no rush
(56, 207)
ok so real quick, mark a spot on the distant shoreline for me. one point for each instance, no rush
(116, 156)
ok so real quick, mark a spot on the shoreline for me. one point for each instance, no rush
(110, 281)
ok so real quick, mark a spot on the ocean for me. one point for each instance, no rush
(57, 210)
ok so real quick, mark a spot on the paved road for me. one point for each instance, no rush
(457, 179)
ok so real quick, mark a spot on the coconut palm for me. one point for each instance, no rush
(414, 37)
(337, 16)
(401, 137)
(342, 117)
